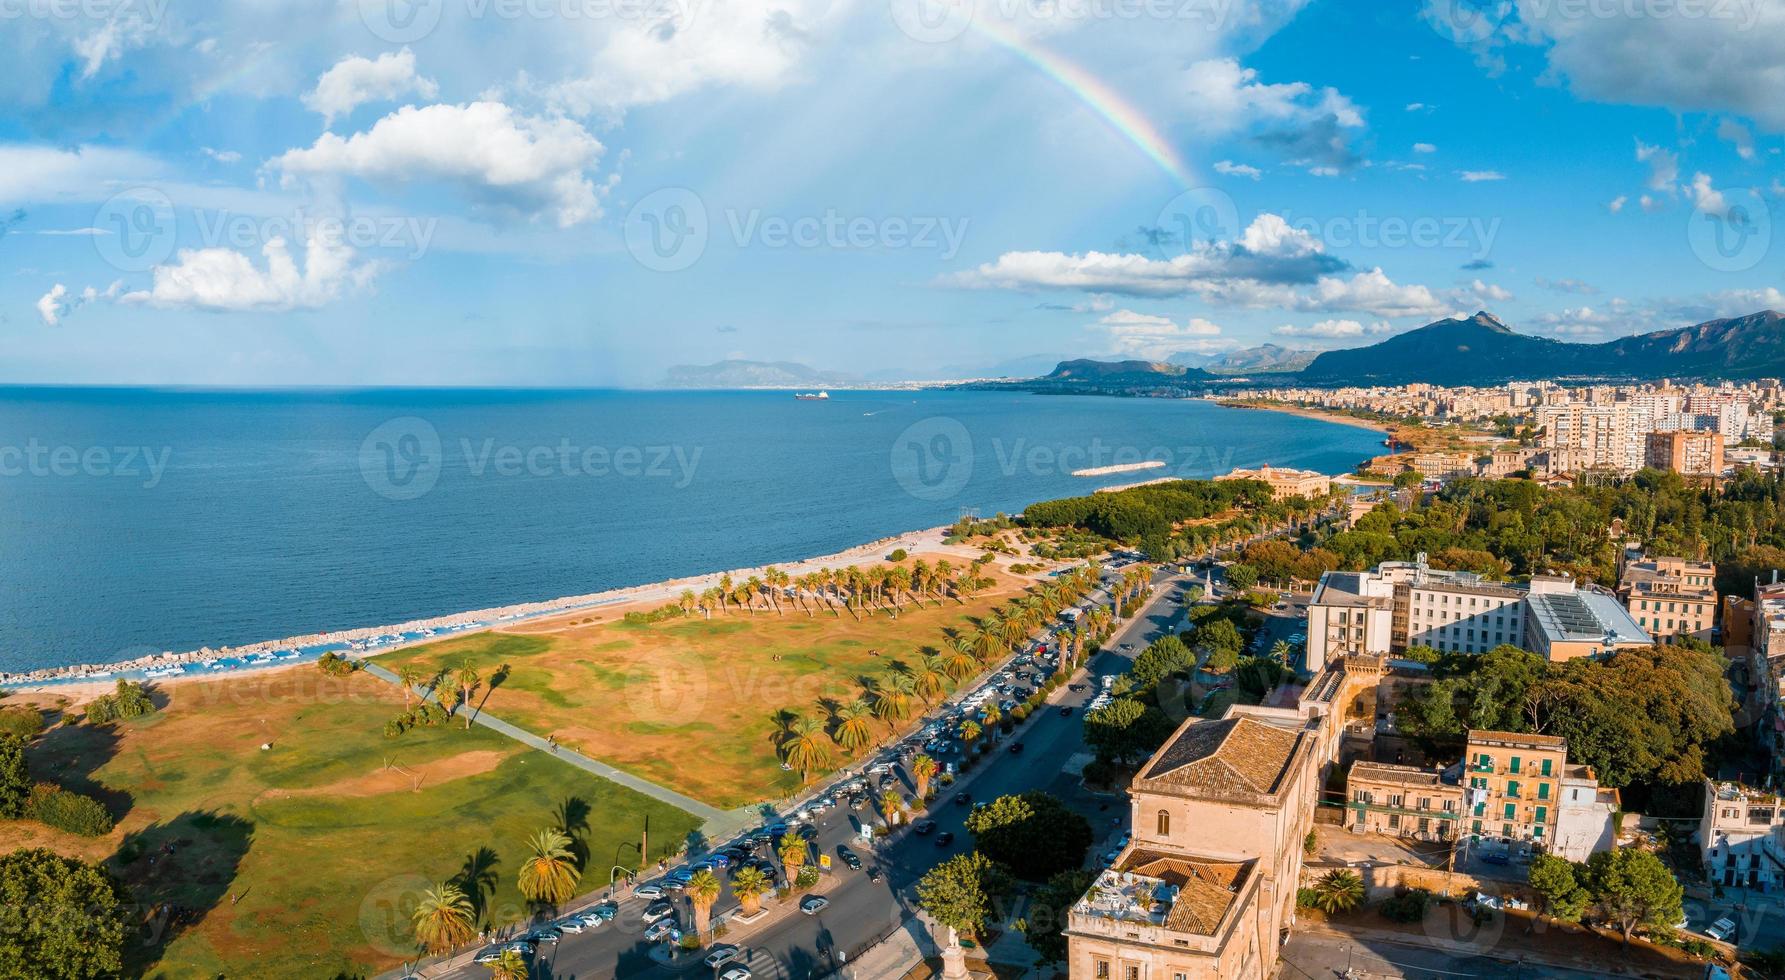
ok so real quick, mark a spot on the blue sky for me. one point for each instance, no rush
(584, 192)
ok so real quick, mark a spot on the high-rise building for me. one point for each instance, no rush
(1690, 452)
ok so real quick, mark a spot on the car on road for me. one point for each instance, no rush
(849, 858)
(1721, 929)
(923, 827)
(814, 904)
(721, 953)
(1016, 748)
(962, 799)
(1066, 711)
(944, 839)
(657, 910)
(873, 874)
(807, 832)
(736, 971)
(547, 933)
(651, 890)
(663, 929)
(595, 916)
(490, 954)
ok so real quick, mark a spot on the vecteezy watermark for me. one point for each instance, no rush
(143, 15)
(34, 458)
(668, 230)
(1198, 218)
(1732, 232)
(1472, 234)
(940, 21)
(403, 459)
(403, 21)
(1473, 21)
(139, 228)
(932, 459)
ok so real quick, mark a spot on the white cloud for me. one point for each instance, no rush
(1706, 198)
(1664, 166)
(223, 279)
(1418, 106)
(1332, 329)
(1567, 286)
(1581, 321)
(74, 232)
(1323, 171)
(526, 165)
(221, 156)
(1477, 176)
(1424, 148)
(1154, 336)
(31, 174)
(1478, 293)
(1231, 169)
(1651, 204)
(355, 81)
(1738, 136)
(1301, 123)
(1616, 204)
(49, 305)
(1372, 292)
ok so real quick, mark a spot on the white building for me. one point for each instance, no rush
(1584, 816)
(1739, 835)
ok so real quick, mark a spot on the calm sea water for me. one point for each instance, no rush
(139, 520)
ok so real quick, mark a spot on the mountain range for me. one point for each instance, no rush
(1263, 359)
(751, 374)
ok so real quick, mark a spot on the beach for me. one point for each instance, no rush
(1313, 413)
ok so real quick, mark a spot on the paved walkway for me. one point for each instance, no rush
(717, 821)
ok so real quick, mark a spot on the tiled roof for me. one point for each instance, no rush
(1232, 757)
(1382, 772)
(1544, 741)
(1206, 889)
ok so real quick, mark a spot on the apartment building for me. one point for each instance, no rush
(1402, 801)
(1458, 612)
(1440, 466)
(1671, 596)
(1285, 482)
(1586, 817)
(1514, 787)
(1350, 614)
(1206, 888)
(1741, 837)
(1688, 452)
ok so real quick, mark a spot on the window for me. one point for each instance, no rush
(1545, 767)
(1543, 814)
(1102, 970)
(1543, 791)
(1515, 763)
(1512, 787)
(1133, 972)
(1165, 823)
(1511, 811)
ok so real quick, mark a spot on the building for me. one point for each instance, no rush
(1286, 483)
(1350, 613)
(1688, 452)
(1578, 623)
(1206, 888)
(1458, 612)
(1742, 837)
(1402, 801)
(1514, 788)
(1671, 596)
(1502, 463)
(1586, 817)
(1441, 466)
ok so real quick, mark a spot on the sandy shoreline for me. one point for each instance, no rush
(1314, 413)
(78, 682)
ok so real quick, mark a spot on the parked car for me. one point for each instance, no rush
(650, 890)
(736, 971)
(944, 839)
(598, 914)
(1016, 748)
(547, 933)
(963, 798)
(849, 858)
(1722, 929)
(663, 929)
(923, 827)
(657, 910)
(814, 904)
(1066, 711)
(721, 953)
(490, 954)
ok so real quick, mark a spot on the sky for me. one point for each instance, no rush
(586, 192)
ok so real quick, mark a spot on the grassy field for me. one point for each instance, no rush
(304, 858)
(691, 703)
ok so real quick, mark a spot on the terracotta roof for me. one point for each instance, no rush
(1206, 889)
(1514, 738)
(1382, 772)
(1234, 756)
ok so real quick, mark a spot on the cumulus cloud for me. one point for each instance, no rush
(1372, 292)
(1664, 166)
(355, 81)
(1299, 122)
(1231, 169)
(1332, 329)
(1148, 335)
(1738, 136)
(1705, 197)
(49, 305)
(1478, 293)
(501, 160)
(1477, 176)
(223, 279)
(1616, 204)
(54, 306)
(1424, 148)
(221, 156)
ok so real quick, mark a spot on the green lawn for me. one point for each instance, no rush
(303, 859)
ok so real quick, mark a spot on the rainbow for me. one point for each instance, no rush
(1122, 116)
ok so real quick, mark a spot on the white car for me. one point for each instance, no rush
(722, 953)
(736, 971)
(652, 890)
(1721, 929)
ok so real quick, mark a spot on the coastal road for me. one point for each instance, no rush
(793, 945)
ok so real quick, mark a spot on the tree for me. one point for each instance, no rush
(1339, 890)
(510, 965)
(468, 679)
(1557, 881)
(443, 918)
(803, 749)
(127, 700)
(852, 731)
(1048, 907)
(1631, 887)
(792, 852)
(1033, 834)
(15, 778)
(962, 891)
(1126, 728)
(65, 918)
(749, 886)
(703, 890)
(892, 803)
(1259, 676)
(1162, 658)
(409, 675)
(549, 875)
(1241, 577)
(923, 769)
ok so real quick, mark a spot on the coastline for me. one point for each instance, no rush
(1312, 413)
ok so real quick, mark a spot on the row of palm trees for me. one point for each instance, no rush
(445, 917)
(465, 677)
(852, 588)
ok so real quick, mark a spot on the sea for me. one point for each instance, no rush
(139, 520)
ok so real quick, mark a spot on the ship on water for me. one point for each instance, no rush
(808, 396)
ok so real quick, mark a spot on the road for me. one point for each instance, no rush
(1319, 956)
(863, 911)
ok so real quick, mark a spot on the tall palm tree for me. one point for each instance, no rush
(1339, 890)
(793, 856)
(443, 918)
(468, 679)
(960, 663)
(987, 639)
(549, 876)
(852, 731)
(409, 675)
(923, 769)
(803, 749)
(703, 891)
(970, 732)
(930, 677)
(892, 698)
(892, 803)
(749, 886)
(508, 966)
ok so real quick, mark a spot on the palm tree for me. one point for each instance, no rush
(409, 675)
(923, 768)
(468, 678)
(960, 663)
(986, 640)
(749, 886)
(892, 803)
(892, 698)
(930, 678)
(443, 918)
(793, 855)
(802, 749)
(852, 730)
(703, 891)
(508, 966)
(1339, 890)
(549, 877)
(1282, 652)
(970, 732)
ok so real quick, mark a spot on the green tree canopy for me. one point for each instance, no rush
(1033, 834)
(1557, 882)
(65, 918)
(1631, 887)
(963, 891)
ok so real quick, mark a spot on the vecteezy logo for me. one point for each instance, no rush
(400, 21)
(1467, 21)
(933, 458)
(932, 21)
(400, 460)
(1735, 237)
(666, 231)
(1200, 216)
(387, 914)
(137, 229)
